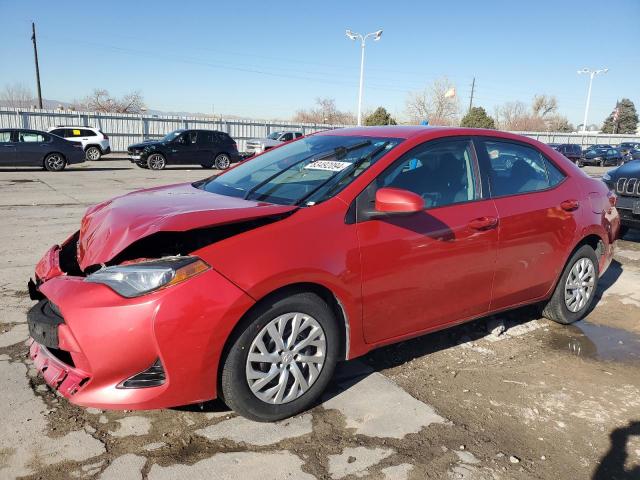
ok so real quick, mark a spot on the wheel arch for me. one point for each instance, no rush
(322, 291)
(89, 145)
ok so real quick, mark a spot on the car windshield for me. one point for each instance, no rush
(171, 135)
(305, 172)
(274, 135)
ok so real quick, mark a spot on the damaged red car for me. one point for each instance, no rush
(251, 285)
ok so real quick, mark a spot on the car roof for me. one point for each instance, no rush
(73, 126)
(424, 132)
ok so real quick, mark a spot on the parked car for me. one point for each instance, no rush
(570, 150)
(259, 145)
(634, 155)
(603, 157)
(628, 147)
(22, 147)
(94, 142)
(625, 182)
(596, 146)
(208, 148)
(251, 285)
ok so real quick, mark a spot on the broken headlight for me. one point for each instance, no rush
(136, 279)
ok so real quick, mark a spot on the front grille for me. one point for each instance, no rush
(628, 186)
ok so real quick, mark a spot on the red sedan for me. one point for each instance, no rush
(251, 285)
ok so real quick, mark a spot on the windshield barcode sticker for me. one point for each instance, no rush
(327, 165)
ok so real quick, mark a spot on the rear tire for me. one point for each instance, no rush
(602, 163)
(54, 162)
(222, 161)
(156, 161)
(574, 293)
(283, 383)
(93, 153)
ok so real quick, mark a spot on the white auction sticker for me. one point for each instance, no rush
(327, 165)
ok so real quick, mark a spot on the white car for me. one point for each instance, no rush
(95, 143)
(259, 145)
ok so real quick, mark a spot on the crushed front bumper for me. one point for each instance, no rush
(88, 340)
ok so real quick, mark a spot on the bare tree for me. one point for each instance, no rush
(17, 95)
(101, 101)
(544, 105)
(435, 104)
(325, 112)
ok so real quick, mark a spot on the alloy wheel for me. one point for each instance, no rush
(579, 285)
(222, 161)
(285, 358)
(156, 162)
(93, 153)
(55, 162)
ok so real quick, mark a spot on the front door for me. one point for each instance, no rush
(432, 268)
(185, 149)
(7, 148)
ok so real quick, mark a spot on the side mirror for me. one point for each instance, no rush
(397, 200)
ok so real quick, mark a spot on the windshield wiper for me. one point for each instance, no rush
(344, 174)
(335, 152)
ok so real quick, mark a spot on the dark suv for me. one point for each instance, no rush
(208, 148)
(625, 181)
(628, 147)
(570, 150)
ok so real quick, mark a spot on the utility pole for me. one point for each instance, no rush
(35, 51)
(473, 87)
(591, 73)
(363, 39)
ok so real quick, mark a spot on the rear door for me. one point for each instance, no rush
(435, 267)
(537, 208)
(7, 148)
(31, 147)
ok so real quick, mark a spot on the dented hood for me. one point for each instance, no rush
(110, 227)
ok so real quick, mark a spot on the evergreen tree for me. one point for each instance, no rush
(477, 118)
(380, 117)
(627, 120)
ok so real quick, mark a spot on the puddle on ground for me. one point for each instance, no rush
(600, 342)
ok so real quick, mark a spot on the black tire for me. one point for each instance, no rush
(602, 163)
(222, 161)
(579, 164)
(623, 231)
(234, 385)
(54, 162)
(156, 161)
(556, 308)
(92, 153)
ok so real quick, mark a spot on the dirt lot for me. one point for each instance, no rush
(536, 400)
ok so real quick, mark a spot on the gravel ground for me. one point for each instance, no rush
(507, 397)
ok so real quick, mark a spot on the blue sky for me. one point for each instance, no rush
(267, 59)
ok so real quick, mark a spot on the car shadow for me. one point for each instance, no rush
(612, 465)
(66, 170)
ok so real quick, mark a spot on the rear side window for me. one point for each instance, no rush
(58, 131)
(5, 137)
(30, 137)
(287, 137)
(441, 173)
(517, 168)
(298, 134)
(87, 133)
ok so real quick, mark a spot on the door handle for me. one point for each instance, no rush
(570, 205)
(483, 223)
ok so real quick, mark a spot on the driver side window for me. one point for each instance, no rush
(441, 173)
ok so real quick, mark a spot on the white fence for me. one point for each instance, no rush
(124, 129)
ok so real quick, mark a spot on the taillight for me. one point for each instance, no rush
(106, 137)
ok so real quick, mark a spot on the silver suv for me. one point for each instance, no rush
(95, 143)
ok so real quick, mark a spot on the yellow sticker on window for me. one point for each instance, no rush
(76, 133)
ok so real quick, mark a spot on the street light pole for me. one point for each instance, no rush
(363, 41)
(592, 74)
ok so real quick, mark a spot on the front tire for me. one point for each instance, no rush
(573, 296)
(156, 161)
(54, 162)
(281, 358)
(222, 161)
(93, 153)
